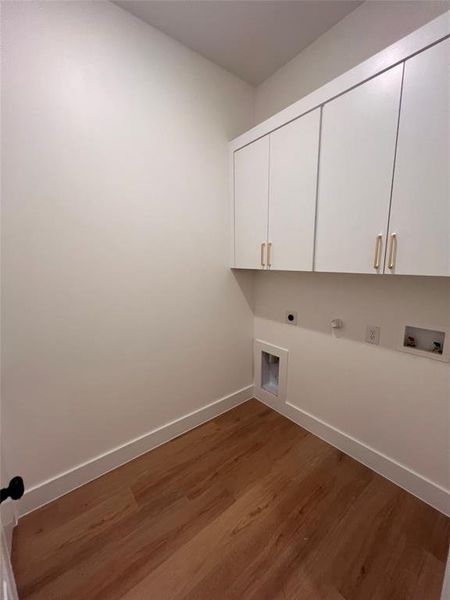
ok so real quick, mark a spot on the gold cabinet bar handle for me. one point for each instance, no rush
(392, 251)
(377, 257)
(269, 254)
(263, 248)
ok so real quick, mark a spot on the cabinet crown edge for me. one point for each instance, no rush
(433, 32)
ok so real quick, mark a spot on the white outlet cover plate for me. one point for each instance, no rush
(373, 334)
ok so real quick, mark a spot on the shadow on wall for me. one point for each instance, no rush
(390, 303)
(245, 280)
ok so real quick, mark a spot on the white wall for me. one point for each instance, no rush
(368, 29)
(119, 312)
(391, 401)
(115, 208)
(396, 403)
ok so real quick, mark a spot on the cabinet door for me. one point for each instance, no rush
(251, 190)
(355, 175)
(420, 212)
(294, 153)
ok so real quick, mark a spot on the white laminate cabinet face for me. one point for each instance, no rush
(251, 188)
(294, 151)
(420, 211)
(355, 175)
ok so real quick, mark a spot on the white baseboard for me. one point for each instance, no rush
(53, 488)
(61, 484)
(401, 475)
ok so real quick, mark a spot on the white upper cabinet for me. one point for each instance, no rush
(251, 191)
(294, 151)
(355, 175)
(420, 212)
(275, 181)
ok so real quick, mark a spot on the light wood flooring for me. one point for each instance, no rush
(248, 506)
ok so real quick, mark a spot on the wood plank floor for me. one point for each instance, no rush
(247, 506)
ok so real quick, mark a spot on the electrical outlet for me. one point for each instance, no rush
(373, 334)
(291, 317)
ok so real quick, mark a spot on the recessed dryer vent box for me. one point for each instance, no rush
(424, 342)
(270, 372)
(270, 365)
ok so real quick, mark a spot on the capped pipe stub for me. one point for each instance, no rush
(336, 324)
